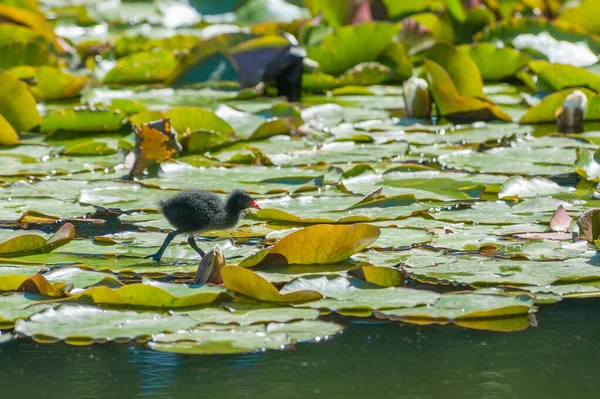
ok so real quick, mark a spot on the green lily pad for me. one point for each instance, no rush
(469, 310)
(251, 316)
(220, 340)
(83, 120)
(19, 306)
(449, 101)
(546, 110)
(143, 67)
(51, 83)
(463, 72)
(558, 77)
(496, 63)
(336, 52)
(85, 325)
(340, 293)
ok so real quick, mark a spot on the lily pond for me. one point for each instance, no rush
(426, 173)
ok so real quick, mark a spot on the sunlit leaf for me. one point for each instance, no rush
(143, 67)
(451, 103)
(17, 104)
(336, 52)
(83, 120)
(320, 244)
(84, 325)
(249, 283)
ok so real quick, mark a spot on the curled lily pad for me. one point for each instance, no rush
(50, 83)
(381, 276)
(8, 135)
(463, 72)
(33, 243)
(554, 77)
(17, 104)
(451, 104)
(251, 284)
(318, 244)
(151, 296)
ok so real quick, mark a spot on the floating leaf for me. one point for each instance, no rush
(8, 136)
(17, 104)
(33, 53)
(341, 294)
(277, 126)
(496, 63)
(251, 284)
(320, 244)
(33, 243)
(460, 67)
(151, 296)
(84, 325)
(82, 120)
(247, 317)
(450, 103)
(546, 110)
(559, 41)
(463, 309)
(582, 15)
(51, 83)
(336, 53)
(224, 340)
(143, 67)
(381, 276)
(38, 285)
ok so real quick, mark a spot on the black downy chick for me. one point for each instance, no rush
(197, 211)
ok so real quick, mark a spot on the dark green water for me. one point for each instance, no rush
(559, 358)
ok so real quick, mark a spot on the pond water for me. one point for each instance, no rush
(559, 358)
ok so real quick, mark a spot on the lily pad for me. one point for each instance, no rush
(83, 120)
(336, 52)
(143, 67)
(251, 284)
(318, 244)
(451, 104)
(84, 325)
(17, 104)
(496, 63)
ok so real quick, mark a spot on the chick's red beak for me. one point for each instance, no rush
(254, 205)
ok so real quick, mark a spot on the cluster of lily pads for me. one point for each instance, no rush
(416, 181)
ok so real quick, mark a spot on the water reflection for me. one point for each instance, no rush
(560, 358)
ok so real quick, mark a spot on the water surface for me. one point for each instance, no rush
(559, 358)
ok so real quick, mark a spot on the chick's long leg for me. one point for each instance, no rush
(192, 241)
(156, 257)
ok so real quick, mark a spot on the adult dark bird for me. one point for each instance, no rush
(197, 211)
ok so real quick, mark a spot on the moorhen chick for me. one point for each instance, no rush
(197, 211)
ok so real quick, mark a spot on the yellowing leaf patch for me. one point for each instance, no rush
(320, 244)
(251, 284)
